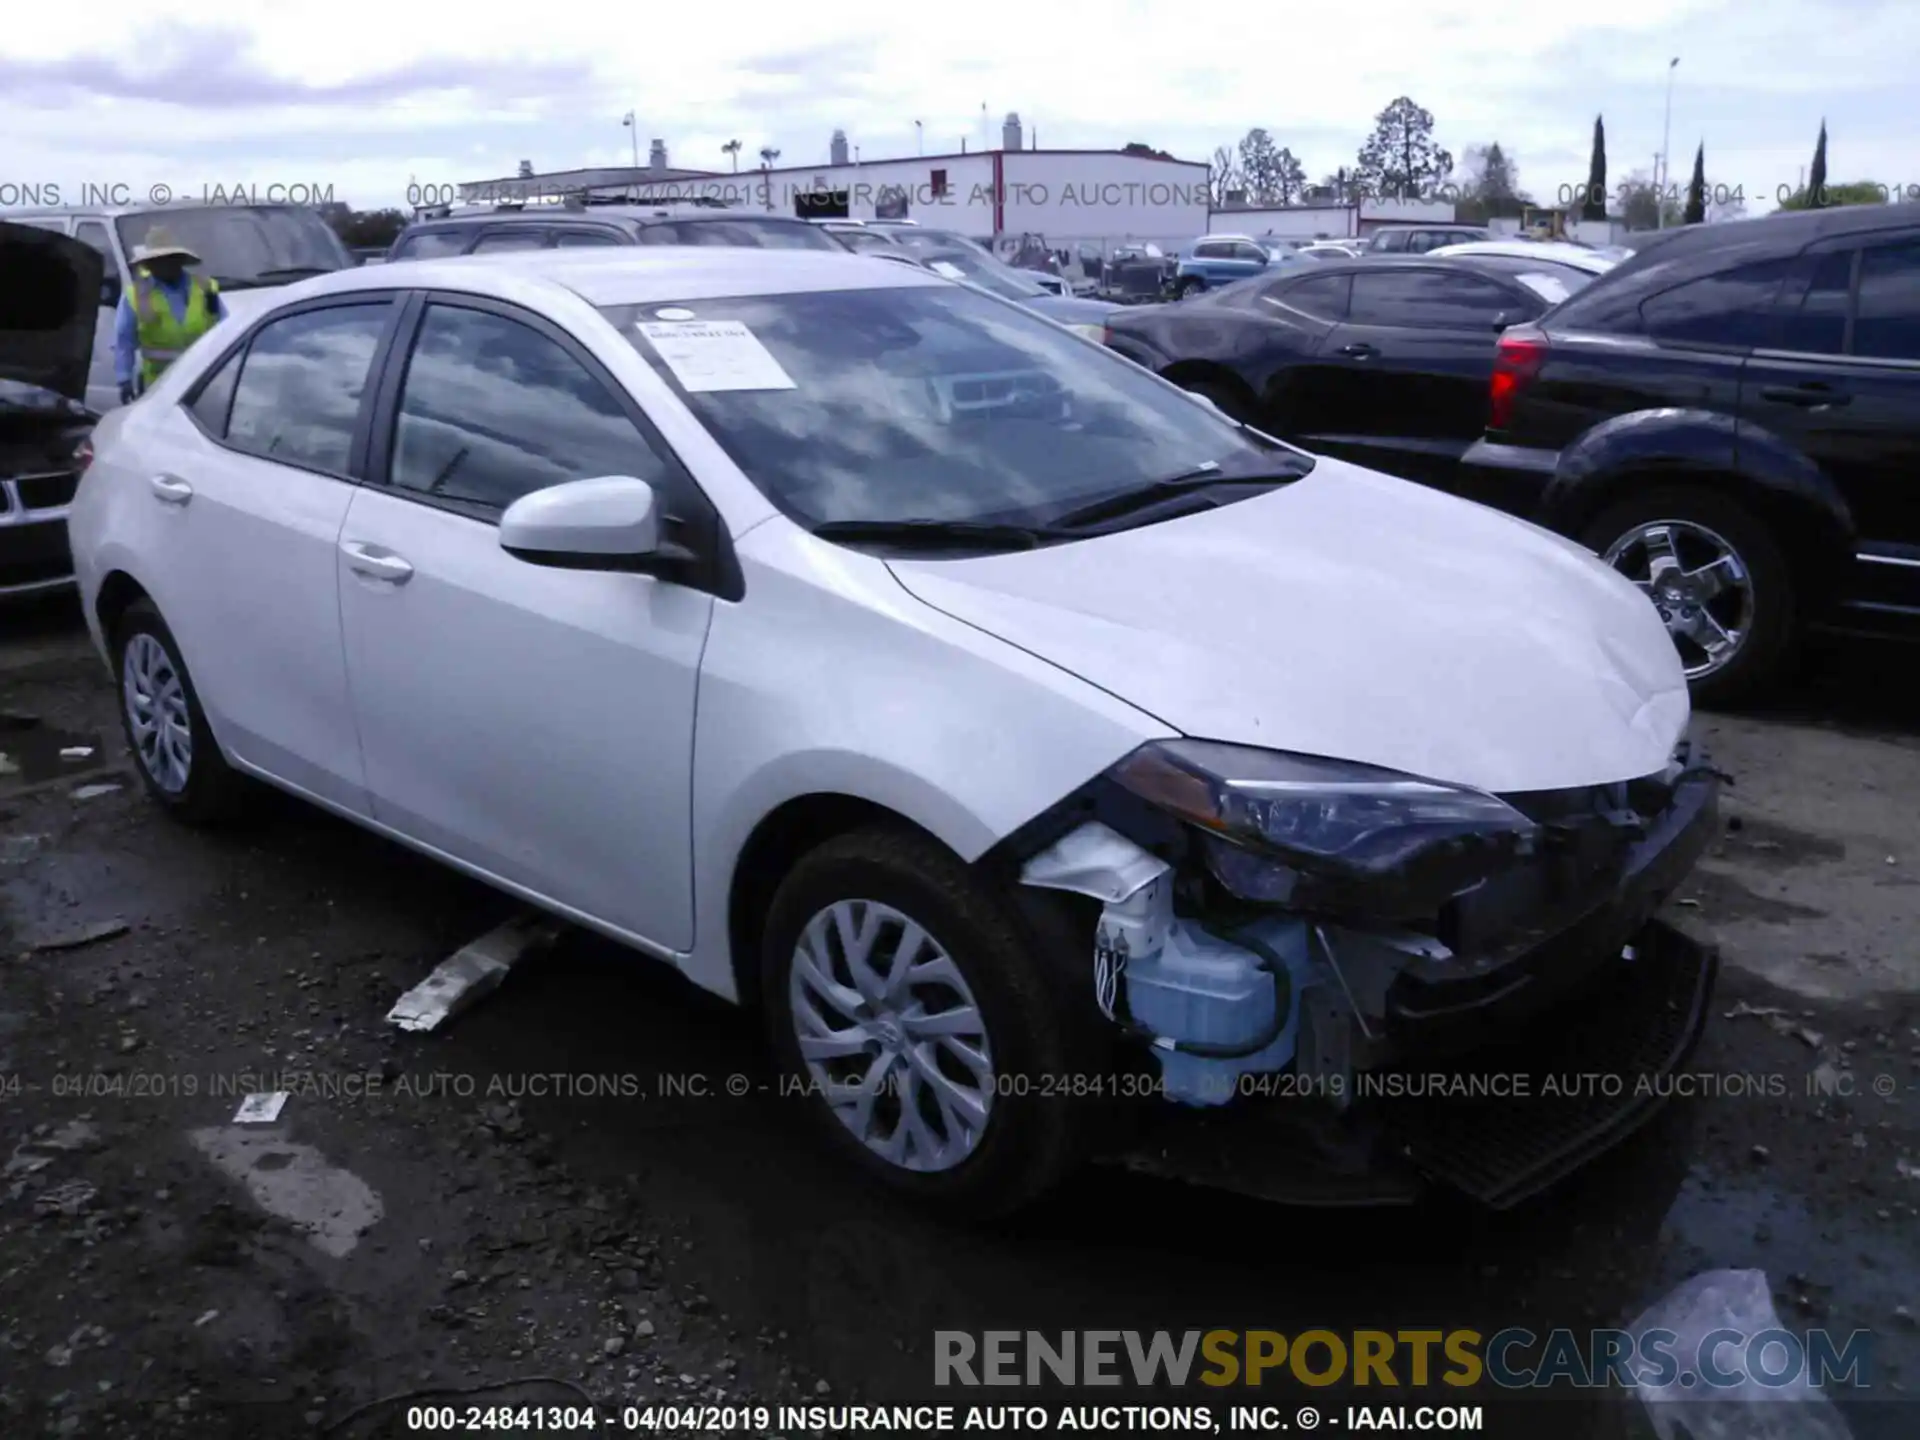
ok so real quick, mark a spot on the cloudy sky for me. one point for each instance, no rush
(368, 98)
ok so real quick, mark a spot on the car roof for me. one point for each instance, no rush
(628, 275)
(1372, 264)
(1557, 252)
(627, 214)
(116, 212)
(1784, 228)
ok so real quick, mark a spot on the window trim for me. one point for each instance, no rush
(711, 566)
(1881, 240)
(241, 349)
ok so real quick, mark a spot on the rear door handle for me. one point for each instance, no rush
(1807, 397)
(376, 563)
(171, 489)
(1359, 352)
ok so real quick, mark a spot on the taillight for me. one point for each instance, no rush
(1517, 359)
(83, 456)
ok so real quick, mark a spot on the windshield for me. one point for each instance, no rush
(1001, 279)
(242, 245)
(920, 241)
(864, 242)
(750, 231)
(928, 402)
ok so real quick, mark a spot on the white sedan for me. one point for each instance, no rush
(1010, 727)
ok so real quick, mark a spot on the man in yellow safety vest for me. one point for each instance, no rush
(166, 311)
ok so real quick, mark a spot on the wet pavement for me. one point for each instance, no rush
(590, 1184)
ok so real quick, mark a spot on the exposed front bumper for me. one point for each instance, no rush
(1499, 1077)
(34, 554)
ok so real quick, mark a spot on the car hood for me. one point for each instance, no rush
(48, 313)
(1071, 310)
(1354, 616)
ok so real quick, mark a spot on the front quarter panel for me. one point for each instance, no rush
(829, 678)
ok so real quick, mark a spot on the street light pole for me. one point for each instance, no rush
(1666, 140)
(919, 138)
(633, 125)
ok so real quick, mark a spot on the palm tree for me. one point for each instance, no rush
(767, 156)
(732, 148)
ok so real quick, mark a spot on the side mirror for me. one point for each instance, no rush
(109, 290)
(608, 523)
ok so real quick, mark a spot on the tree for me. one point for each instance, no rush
(1259, 166)
(1223, 177)
(1144, 150)
(1641, 203)
(767, 156)
(1593, 205)
(1854, 192)
(1400, 159)
(732, 149)
(1696, 211)
(1291, 178)
(1817, 177)
(1488, 187)
(366, 229)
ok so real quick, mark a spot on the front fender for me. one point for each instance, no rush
(1679, 444)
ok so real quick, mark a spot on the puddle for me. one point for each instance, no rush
(294, 1182)
(31, 753)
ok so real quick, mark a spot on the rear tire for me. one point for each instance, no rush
(166, 729)
(1190, 285)
(1759, 607)
(876, 882)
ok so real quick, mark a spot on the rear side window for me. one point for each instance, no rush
(1817, 325)
(568, 238)
(1887, 325)
(763, 234)
(426, 244)
(1212, 251)
(1732, 309)
(210, 406)
(298, 396)
(1395, 240)
(1429, 300)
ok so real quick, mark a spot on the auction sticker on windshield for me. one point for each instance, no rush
(948, 269)
(707, 355)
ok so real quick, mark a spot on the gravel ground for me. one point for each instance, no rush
(538, 1198)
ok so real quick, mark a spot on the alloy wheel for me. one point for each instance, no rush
(157, 717)
(891, 1035)
(1699, 584)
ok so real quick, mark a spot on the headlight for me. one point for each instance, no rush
(1095, 333)
(1327, 835)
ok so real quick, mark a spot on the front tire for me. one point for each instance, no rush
(173, 746)
(1722, 584)
(906, 1004)
(1189, 285)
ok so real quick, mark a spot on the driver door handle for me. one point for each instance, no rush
(1361, 351)
(375, 563)
(1812, 396)
(171, 489)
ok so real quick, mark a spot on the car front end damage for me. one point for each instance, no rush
(1351, 985)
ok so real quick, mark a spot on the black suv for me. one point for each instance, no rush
(1732, 419)
(542, 227)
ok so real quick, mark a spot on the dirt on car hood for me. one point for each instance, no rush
(1355, 616)
(48, 308)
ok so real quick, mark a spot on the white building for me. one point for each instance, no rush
(1325, 222)
(1068, 198)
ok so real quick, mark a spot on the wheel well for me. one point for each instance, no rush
(775, 847)
(1806, 535)
(1196, 372)
(118, 592)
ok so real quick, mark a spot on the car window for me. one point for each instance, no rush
(94, 233)
(298, 395)
(491, 409)
(426, 244)
(1390, 240)
(1552, 280)
(1817, 324)
(1886, 323)
(1323, 296)
(927, 402)
(1427, 300)
(1733, 308)
(1212, 251)
(1250, 252)
(586, 237)
(765, 234)
(518, 237)
(215, 397)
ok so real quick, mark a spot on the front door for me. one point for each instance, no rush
(532, 722)
(246, 490)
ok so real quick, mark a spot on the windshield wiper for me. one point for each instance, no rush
(943, 534)
(1155, 492)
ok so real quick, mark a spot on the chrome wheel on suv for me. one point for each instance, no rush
(1699, 584)
(891, 1035)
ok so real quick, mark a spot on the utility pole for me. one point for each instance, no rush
(919, 138)
(633, 126)
(1666, 137)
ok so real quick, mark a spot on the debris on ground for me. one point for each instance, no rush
(86, 935)
(1780, 1021)
(18, 849)
(75, 752)
(71, 1198)
(261, 1108)
(472, 972)
(94, 792)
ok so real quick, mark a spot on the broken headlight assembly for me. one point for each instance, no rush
(1328, 837)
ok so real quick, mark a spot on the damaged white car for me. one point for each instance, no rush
(1066, 771)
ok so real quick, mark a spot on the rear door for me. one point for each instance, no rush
(1839, 380)
(1405, 376)
(1303, 310)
